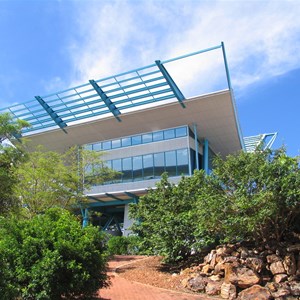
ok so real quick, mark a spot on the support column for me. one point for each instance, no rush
(85, 221)
(127, 221)
(196, 147)
(205, 156)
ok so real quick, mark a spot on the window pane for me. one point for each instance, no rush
(97, 147)
(137, 168)
(136, 140)
(179, 132)
(148, 166)
(126, 142)
(108, 164)
(106, 145)
(159, 164)
(171, 163)
(127, 169)
(88, 147)
(169, 134)
(116, 165)
(182, 162)
(147, 138)
(116, 144)
(158, 136)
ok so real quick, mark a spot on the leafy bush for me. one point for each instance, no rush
(123, 245)
(50, 257)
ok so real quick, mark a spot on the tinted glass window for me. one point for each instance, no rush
(182, 162)
(169, 134)
(148, 166)
(88, 147)
(136, 140)
(126, 142)
(137, 168)
(116, 165)
(147, 138)
(158, 136)
(106, 145)
(171, 163)
(127, 169)
(97, 147)
(179, 132)
(159, 164)
(116, 144)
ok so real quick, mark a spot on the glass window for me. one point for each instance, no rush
(182, 162)
(158, 136)
(116, 144)
(106, 145)
(126, 142)
(169, 134)
(88, 147)
(97, 147)
(148, 166)
(127, 169)
(116, 165)
(171, 163)
(179, 132)
(147, 138)
(136, 140)
(137, 167)
(159, 164)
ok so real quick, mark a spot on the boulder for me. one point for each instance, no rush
(281, 292)
(213, 288)
(228, 291)
(295, 288)
(197, 284)
(280, 278)
(273, 258)
(289, 264)
(254, 263)
(255, 292)
(277, 268)
(241, 276)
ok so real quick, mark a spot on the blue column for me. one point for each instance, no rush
(205, 156)
(85, 218)
(196, 147)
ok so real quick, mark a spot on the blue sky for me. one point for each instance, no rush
(48, 46)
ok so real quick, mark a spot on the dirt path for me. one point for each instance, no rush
(123, 289)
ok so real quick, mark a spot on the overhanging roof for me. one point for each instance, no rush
(213, 114)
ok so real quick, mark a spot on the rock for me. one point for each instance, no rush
(295, 288)
(254, 263)
(197, 284)
(241, 276)
(184, 282)
(277, 268)
(209, 256)
(228, 291)
(213, 261)
(281, 292)
(273, 258)
(255, 292)
(289, 264)
(280, 278)
(207, 269)
(230, 259)
(214, 278)
(213, 288)
(293, 248)
(219, 268)
(272, 286)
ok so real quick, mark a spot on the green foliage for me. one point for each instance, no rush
(123, 245)
(10, 158)
(165, 218)
(50, 257)
(251, 196)
(254, 196)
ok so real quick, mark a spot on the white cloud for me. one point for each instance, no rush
(262, 38)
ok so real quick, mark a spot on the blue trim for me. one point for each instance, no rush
(171, 83)
(94, 198)
(85, 221)
(196, 147)
(106, 100)
(108, 222)
(205, 156)
(51, 113)
(109, 203)
(113, 197)
(226, 66)
(133, 196)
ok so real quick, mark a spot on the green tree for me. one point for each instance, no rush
(48, 179)
(251, 196)
(165, 217)
(50, 257)
(10, 158)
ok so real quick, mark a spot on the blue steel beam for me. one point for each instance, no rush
(171, 83)
(94, 198)
(113, 196)
(205, 156)
(114, 110)
(52, 113)
(109, 203)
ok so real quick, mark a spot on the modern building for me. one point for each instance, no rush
(144, 124)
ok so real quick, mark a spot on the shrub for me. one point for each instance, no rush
(118, 245)
(50, 257)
